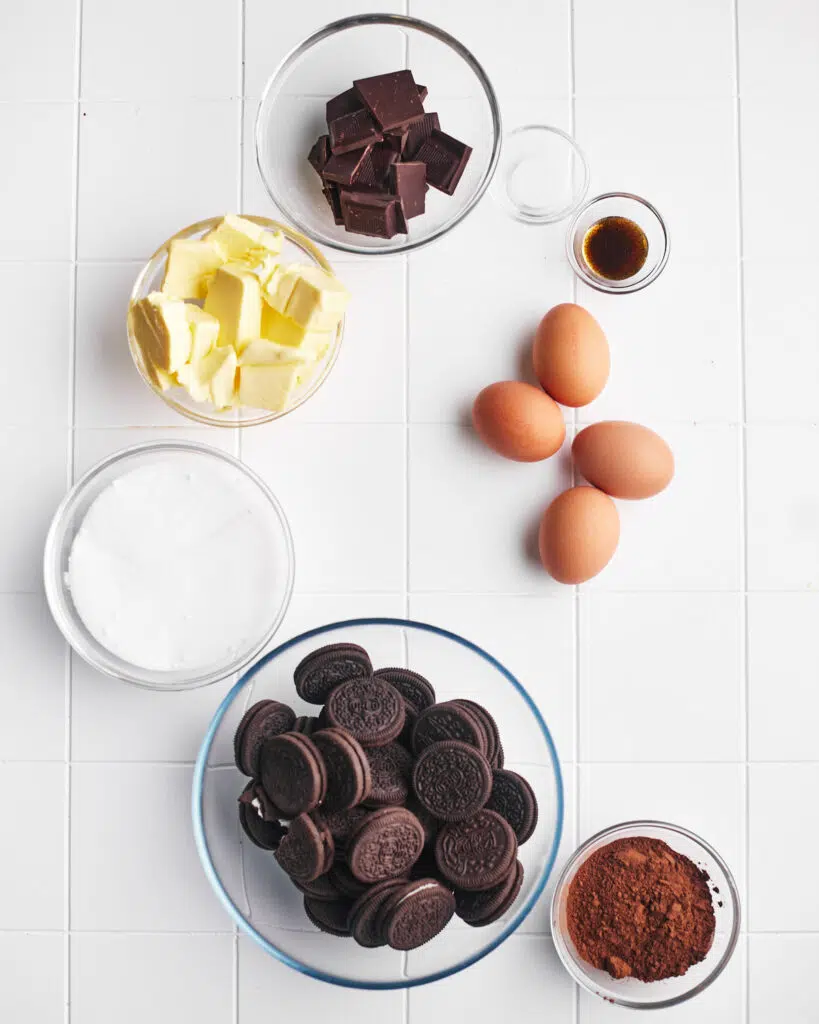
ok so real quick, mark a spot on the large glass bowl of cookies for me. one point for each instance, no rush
(378, 804)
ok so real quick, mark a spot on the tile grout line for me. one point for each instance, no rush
(743, 524)
(70, 467)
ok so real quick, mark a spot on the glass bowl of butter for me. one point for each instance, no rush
(236, 321)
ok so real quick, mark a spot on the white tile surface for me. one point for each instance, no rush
(783, 833)
(36, 187)
(33, 468)
(109, 391)
(685, 538)
(32, 890)
(92, 444)
(36, 301)
(660, 677)
(49, 31)
(671, 358)
(660, 149)
(780, 304)
(330, 500)
(783, 507)
(680, 49)
(181, 978)
(781, 967)
(32, 686)
(777, 49)
(130, 823)
(33, 978)
(194, 48)
(149, 169)
(518, 631)
(770, 127)
(265, 983)
(474, 515)
(526, 965)
(705, 798)
(782, 695)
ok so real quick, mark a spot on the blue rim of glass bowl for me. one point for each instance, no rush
(204, 851)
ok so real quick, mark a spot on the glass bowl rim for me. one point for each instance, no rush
(598, 284)
(198, 790)
(297, 238)
(399, 21)
(611, 831)
(56, 602)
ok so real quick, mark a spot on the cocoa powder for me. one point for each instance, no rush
(636, 908)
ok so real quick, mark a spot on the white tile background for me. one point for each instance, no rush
(682, 683)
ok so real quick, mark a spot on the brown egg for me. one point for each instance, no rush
(518, 421)
(623, 459)
(578, 534)
(571, 355)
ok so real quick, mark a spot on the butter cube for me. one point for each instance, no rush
(261, 352)
(285, 331)
(205, 332)
(235, 299)
(161, 328)
(166, 381)
(269, 386)
(238, 236)
(223, 379)
(190, 379)
(266, 269)
(312, 297)
(191, 262)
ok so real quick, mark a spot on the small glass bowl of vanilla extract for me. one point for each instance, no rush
(617, 243)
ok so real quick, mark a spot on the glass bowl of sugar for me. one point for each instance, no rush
(169, 565)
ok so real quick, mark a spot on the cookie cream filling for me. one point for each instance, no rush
(172, 566)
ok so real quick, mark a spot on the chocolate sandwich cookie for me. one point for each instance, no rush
(306, 725)
(267, 835)
(448, 721)
(320, 888)
(370, 709)
(348, 886)
(364, 911)
(265, 719)
(513, 798)
(500, 757)
(348, 769)
(307, 850)
(255, 797)
(342, 824)
(429, 823)
(452, 780)
(490, 728)
(328, 915)
(415, 913)
(485, 906)
(476, 853)
(391, 771)
(293, 773)
(413, 687)
(317, 674)
(385, 845)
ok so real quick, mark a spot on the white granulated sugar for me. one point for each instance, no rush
(172, 568)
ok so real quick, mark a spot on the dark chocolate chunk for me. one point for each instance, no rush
(423, 92)
(397, 140)
(375, 167)
(320, 153)
(418, 133)
(445, 158)
(333, 201)
(407, 181)
(353, 131)
(392, 99)
(343, 168)
(345, 103)
(368, 213)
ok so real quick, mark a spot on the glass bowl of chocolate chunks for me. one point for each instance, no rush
(378, 134)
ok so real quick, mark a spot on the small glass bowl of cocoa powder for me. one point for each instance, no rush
(645, 914)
